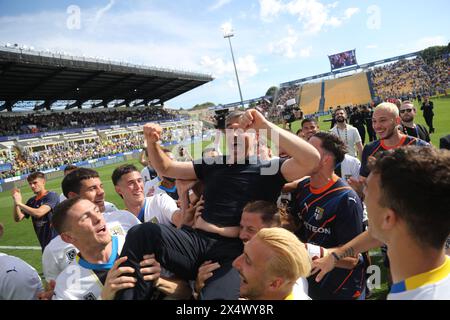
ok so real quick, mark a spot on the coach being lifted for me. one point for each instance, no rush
(230, 182)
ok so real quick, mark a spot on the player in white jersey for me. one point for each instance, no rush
(18, 280)
(80, 223)
(85, 183)
(407, 202)
(160, 208)
(59, 254)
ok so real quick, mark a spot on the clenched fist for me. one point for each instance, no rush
(152, 132)
(252, 119)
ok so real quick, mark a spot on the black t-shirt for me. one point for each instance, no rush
(418, 132)
(428, 108)
(229, 187)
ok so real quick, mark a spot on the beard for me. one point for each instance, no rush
(340, 119)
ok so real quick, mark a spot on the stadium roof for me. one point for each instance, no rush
(47, 78)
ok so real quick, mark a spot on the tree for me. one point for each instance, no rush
(204, 105)
(271, 91)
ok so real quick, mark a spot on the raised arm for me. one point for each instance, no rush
(362, 243)
(304, 156)
(160, 161)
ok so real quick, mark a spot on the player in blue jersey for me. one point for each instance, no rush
(39, 208)
(407, 202)
(385, 121)
(329, 213)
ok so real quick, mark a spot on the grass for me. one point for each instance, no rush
(22, 234)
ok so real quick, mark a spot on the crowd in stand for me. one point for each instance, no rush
(71, 152)
(34, 122)
(409, 78)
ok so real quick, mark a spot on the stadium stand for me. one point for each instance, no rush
(347, 91)
(310, 97)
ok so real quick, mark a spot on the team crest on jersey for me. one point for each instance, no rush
(318, 213)
(116, 231)
(71, 254)
(89, 296)
(154, 220)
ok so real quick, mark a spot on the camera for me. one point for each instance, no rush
(220, 117)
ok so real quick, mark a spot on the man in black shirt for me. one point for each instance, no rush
(408, 127)
(428, 114)
(230, 182)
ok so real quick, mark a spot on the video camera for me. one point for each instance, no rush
(220, 117)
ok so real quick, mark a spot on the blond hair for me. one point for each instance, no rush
(291, 260)
(389, 107)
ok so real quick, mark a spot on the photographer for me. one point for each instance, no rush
(291, 113)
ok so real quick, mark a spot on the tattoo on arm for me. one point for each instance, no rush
(350, 252)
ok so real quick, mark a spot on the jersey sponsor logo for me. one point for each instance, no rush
(12, 270)
(318, 213)
(89, 296)
(71, 255)
(315, 229)
(154, 220)
(116, 231)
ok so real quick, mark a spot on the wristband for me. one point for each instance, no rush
(336, 257)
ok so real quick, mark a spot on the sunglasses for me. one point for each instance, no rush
(406, 110)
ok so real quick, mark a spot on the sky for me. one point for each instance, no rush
(274, 41)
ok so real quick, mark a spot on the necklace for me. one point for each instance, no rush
(339, 134)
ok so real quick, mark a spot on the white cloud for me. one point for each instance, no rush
(103, 10)
(285, 46)
(227, 27)
(269, 9)
(246, 67)
(427, 42)
(219, 4)
(306, 52)
(372, 46)
(350, 12)
(312, 14)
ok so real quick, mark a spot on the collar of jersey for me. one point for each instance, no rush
(423, 279)
(173, 189)
(333, 180)
(102, 266)
(142, 212)
(401, 143)
(290, 296)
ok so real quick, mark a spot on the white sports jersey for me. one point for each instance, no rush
(18, 280)
(159, 209)
(300, 290)
(110, 207)
(56, 257)
(120, 221)
(350, 167)
(314, 252)
(62, 197)
(432, 285)
(350, 136)
(59, 254)
(151, 186)
(79, 282)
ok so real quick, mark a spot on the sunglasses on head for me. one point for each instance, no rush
(406, 110)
